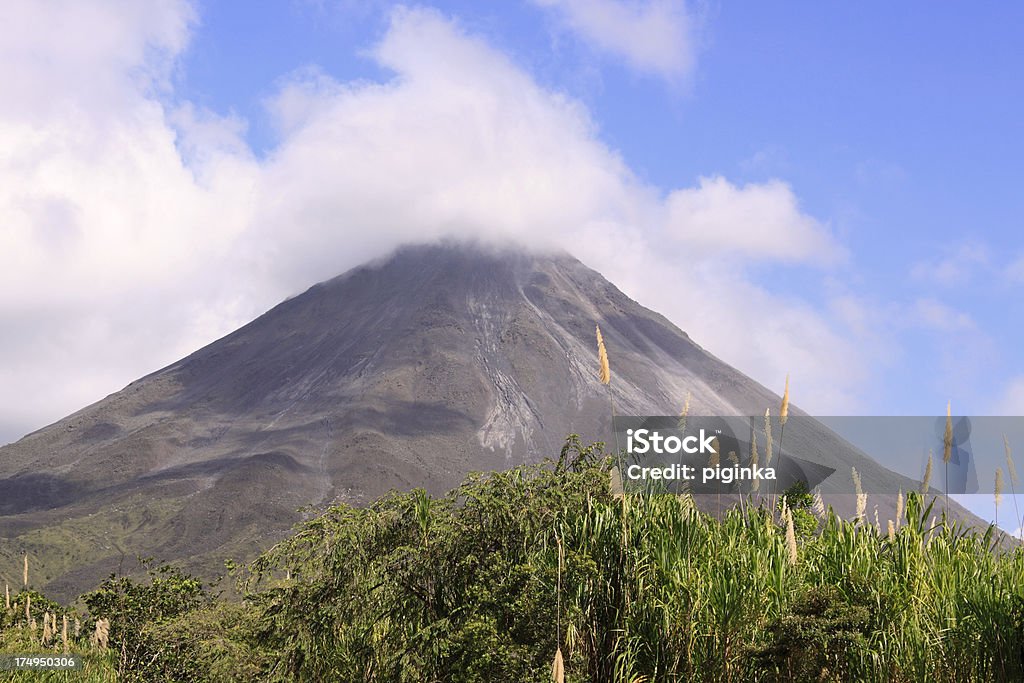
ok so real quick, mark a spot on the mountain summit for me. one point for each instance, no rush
(409, 371)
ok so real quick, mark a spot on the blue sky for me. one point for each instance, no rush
(819, 189)
(900, 127)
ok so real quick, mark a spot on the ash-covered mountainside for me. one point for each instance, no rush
(410, 371)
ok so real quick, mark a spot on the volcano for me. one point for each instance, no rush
(410, 371)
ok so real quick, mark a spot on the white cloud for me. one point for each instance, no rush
(653, 36)
(957, 267)
(1015, 271)
(760, 221)
(142, 231)
(85, 58)
(935, 315)
(109, 236)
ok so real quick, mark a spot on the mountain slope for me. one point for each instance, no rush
(406, 372)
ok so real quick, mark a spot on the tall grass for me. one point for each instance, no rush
(513, 569)
(750, 596)
(20, 636)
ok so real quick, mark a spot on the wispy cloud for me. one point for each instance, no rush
(934, 315)
(1011, 402)
(652, 36)
(957, 267)
(1015, 271)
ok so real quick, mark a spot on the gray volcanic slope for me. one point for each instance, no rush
(411, 371)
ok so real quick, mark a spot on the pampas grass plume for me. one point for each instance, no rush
(768, 436)
(756, 484)
(862, 498)
(947, 437)
(681, 425)
(784, 410)
(791, 549)
(998, 491)
(926, 480)
(615, 484)
(558, 667)
(605, 373)
(101, 636)
(714, 459)
(818, 505)
(899, 507)
(1011, 469)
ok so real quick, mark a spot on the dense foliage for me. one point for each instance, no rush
(466, 588)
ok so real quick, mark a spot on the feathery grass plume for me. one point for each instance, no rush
(605, 375)
(878, 525)
(790, 538)
(681, 425)
(47, 631)
(926, 480)
(64, 635)
(24, 572)
(7, 595)
(947, 437)
(78, 627)
(818, 505)
(615, 483)
(605, 372)
(783, 416)
(784, 410)
(768, 437)
(998, 492)
(947, 450)
(28, 607)
(892, 531)
(899, 508)
(101, 636)
(1011, 469)
(862, 499)
(714, 459)
(735, 460)
(32, 627)
(558, 668)
(755, 485)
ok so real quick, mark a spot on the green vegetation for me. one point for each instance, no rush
(465, 588)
